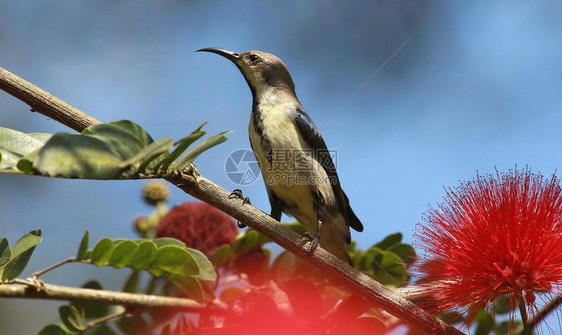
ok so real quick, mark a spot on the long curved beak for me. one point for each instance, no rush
(230, 55)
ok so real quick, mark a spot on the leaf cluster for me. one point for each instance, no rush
(188, 269)
(386, 261)
(76, 315)
(13, 260)
(114, 150)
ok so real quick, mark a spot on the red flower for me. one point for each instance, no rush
(199, 225)
(493, 237)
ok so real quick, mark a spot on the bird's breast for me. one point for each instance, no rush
(287, 165)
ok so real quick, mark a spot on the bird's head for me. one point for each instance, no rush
(262, 70)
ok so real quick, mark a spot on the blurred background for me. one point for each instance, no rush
(415, 96)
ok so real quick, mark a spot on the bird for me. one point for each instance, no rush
(298, 170)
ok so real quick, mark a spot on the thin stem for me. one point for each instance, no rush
(52, 267)
(541, 314)
(104, 319)
(527, 330)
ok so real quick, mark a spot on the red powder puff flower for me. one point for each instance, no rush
(199, 225)
(497, 236)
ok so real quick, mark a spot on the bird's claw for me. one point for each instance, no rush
(237, 194)
(312, 239)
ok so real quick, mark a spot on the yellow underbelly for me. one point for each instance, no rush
(293, 174)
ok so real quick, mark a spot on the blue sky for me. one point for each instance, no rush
(415, 97)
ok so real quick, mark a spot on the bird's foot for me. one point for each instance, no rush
(314, 241)
(237, 194)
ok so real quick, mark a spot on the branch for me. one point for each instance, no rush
(206, 191)
(43, 102)
(26, 290)
(360, 283)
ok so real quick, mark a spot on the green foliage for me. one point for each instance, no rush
(188, 269)
(13, 260)
(114, 150)
(386, 261)
(83, 248)
(72, 318)
(75, 316)
(14, 145)
(497, 319)
(54, 330)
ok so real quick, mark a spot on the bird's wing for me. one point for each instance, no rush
(314, 139)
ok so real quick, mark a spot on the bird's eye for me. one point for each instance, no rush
(253, 58)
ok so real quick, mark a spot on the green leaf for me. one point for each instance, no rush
(123, 142)
(14, 145)
(249, 241)
(137, 131)
(191, 155)
(20, 254)
(144, 255)
(25, 164)
(405, 251)
(72, 318)
(102, 251)
(122, 253)
(26, 242)
(83, 248)
(132, 283)
(152, 286)
(163, 241)
(175, 261)
(387, 267)
(53, 330)
(78, 156)
(389, 241)
(486, 323)
(148, 154)
(181, 146)
(222, 255)
(193, 288)
(502, 305)
(115, 150)
(206, 270)
(5, 252)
